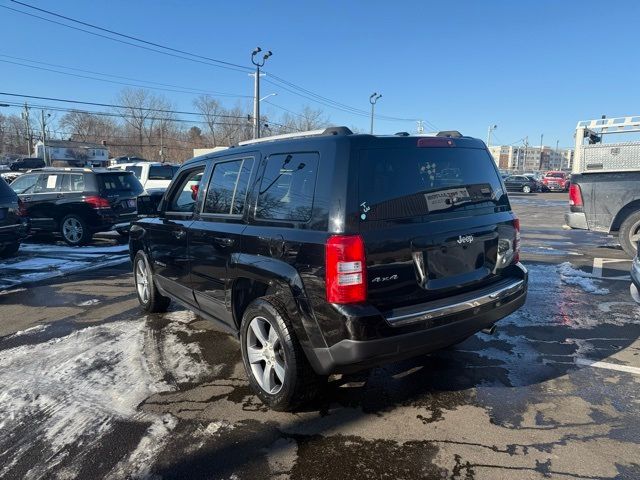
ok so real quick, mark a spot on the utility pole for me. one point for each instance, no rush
(540, 164)
(44, 136)
(161, 144)
(372, 100)
(491, 129)
(526, 150)
(557, 142)
(256, 89)
(25, 117)
(420, 127)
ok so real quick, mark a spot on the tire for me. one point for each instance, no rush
(74, 230)
(267, 335)
(526, 189)
(9, 250)
(151, 300)
(630, 234)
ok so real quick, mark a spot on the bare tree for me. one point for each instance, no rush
(307, 119)
(211, 110)
(88, 127)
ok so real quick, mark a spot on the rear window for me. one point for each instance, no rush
(407, 182)
(162, 172)
(137, 171)
(120, 182)
(555, 174)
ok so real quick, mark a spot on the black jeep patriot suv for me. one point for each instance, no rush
(332, 252)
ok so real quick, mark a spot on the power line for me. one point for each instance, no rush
(176, 88)
(130, 37)
(110, 105)
(294, 89)
(121, 41)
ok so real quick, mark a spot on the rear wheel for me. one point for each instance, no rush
(278, 370)
(9, 250)
(74, 230)
(630, 234)
(148, 295)
(526, 189)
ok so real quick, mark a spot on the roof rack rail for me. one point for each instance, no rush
(449, 134)
(310, 133)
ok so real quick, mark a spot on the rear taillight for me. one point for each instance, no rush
(516, 241)
(345, 269)
(22, 209)
(575, 195)
(97, 202)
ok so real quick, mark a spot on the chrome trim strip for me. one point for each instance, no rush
(437, 312)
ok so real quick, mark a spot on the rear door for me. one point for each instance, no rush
(216, 234)
(42, 199)
(433, 219)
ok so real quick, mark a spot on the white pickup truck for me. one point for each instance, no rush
(152, 175)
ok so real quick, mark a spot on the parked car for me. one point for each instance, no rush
(607, 202)
(152, 175)
(77, 202)
(557, 181)
(14, 224)
(521, 183)
(27, 164)
(334, 252)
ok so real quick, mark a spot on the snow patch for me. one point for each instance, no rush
(584, 280)
(76, 386)
(88, 303)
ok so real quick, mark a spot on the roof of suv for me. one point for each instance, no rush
(77, 170)
(401, 139)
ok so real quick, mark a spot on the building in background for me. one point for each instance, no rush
(530, 158)
(67, 153)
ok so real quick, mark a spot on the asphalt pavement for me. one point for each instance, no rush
(90, 387)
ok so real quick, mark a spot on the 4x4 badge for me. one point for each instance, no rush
(465, 239)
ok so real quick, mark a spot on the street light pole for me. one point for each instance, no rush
(256, 89)
(372, 100)
(44, 135)
(491, 129)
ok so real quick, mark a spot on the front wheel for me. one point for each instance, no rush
(75, 231)
(278, 371)
(526, 189)
(148, 295)
(630, 234)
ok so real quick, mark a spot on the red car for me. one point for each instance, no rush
(556, 180)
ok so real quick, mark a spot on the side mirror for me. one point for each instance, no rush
(149, 203)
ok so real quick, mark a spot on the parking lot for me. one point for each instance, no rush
(92, 388)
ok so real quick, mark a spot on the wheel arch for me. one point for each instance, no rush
(623, 213)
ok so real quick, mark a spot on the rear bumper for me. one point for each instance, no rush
(436, 325)
(576, 220)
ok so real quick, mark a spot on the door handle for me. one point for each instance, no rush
(26, 199)
(224, 241)
(179, 234)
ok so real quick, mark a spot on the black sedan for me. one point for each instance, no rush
(521, 183)
(14, 225)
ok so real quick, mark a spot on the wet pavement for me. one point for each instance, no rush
(92, 388)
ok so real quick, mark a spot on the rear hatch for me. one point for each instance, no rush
(121, 188)
(435, 220)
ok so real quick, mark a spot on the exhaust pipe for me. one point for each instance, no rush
(489, 330)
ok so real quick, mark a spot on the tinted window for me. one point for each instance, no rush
(73, 183)
(161, 172)
(228, 187)
(184, 197)
(287, 187)
(137, 171)
(397, 183)
(123, 183)
(24, 184)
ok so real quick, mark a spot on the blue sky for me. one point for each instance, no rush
(530, 67)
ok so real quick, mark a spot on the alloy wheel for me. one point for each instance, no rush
(634, 234)
(266, 355)
(72, 230)
(142, 281)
